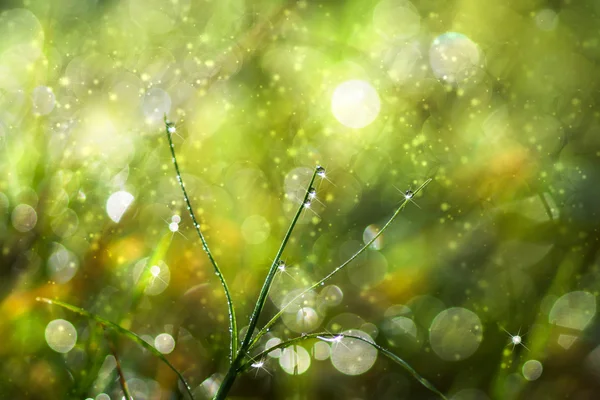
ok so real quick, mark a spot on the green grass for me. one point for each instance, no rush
(240, 353)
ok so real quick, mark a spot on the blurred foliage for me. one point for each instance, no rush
(496, 101)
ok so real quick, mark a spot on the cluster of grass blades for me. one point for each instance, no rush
(241, 353)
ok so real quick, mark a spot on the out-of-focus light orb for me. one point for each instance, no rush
(61, 335)
(321, 351)
(138, 388)
(454, 58)
(400, 326)
(368, 235)
(573, 310)
(294, 360)
(532, 370)
(331, 296)
(256, 229)
(176, 218)
(24, 218)
(455, 334)
(355, 103)
(65, 224)
(295, 182)
(156, 104)
(102, 396)
(370, 272)
(62, 264)
(164, 343)
(352, 356)
(173, 226)
(156, 277)
(117, 204)
(273, 342)
(209, 387)
(546, 19)
(396, 19)
(403, 65)
(307, 319)
(302, 319)
(43, 100)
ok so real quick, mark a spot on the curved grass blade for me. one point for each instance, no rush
(125, 332)
(233, 332)
(336, 270)
(321, 336)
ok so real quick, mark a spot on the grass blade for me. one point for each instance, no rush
(262, 298)
(125, 332)
(343, 265)
(233, 332)
(381, 349)
(122, 380)
(242, 353)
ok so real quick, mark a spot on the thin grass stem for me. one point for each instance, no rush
(233, 332)
(262, 297)
(122, 380)
(324, 335)
(338, 269)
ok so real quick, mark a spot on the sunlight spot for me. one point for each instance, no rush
(117, 204)
(355, 104)
(155, 270)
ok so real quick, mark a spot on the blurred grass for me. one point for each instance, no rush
(249, 86)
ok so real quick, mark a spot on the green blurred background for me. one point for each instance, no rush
(497, 101)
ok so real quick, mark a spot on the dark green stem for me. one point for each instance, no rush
(262, 298)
